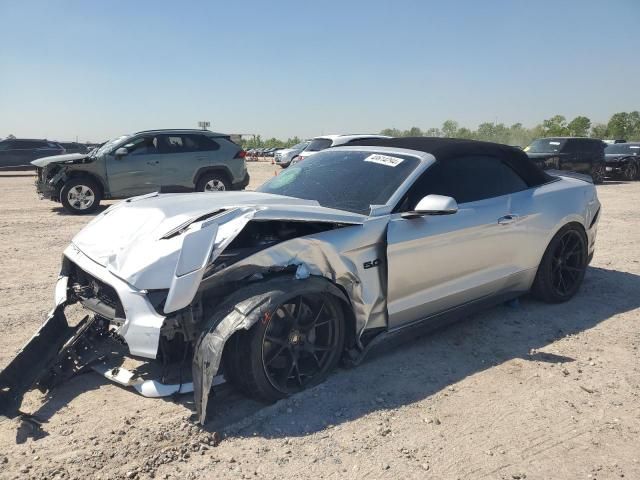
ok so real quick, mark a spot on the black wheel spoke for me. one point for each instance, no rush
(300, 342)
(316, 348)
(298, 311)
(567, 263)
(317, 317)
(276, 340)
(298, 375)
(290, 318)
(276, 355)
(315, 357)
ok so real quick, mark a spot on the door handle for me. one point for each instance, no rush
(153, 163)
(507, 219)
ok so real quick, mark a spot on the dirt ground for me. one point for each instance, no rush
(523, 391)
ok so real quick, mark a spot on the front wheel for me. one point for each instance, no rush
(563, 266)
(296, 345)
(80, 196)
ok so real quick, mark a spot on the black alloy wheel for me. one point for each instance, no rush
(563, 265)
(301, 341)
(568, 264)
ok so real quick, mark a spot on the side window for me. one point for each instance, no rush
(596, 148)
(466, 179)
(205, 144)
(190, 143)
(171, 144)
(571, 146)
(143, 146)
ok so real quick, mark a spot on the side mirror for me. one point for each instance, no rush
(121, 152)
(433, 205)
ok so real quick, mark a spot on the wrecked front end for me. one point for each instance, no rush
(52, 172)
(156, 292)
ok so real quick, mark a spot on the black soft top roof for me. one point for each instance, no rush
(444, 149)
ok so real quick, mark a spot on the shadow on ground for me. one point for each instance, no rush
(59, 210)
(394, 375)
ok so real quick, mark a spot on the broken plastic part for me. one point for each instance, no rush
(242, 310)
(36, 358)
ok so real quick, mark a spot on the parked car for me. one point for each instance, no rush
(149, 161)
(323, 142)
(17, 153)
(75, 147)
(576, 154)
(283, 157)
(623, 160)
(336, 254)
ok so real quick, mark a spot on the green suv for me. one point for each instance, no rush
(145, 162)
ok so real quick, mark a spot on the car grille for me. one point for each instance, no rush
(89, 288)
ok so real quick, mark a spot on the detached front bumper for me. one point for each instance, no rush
(142, 323)
(48, 187)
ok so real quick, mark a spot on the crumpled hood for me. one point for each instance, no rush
(69, 157)
(131, 238)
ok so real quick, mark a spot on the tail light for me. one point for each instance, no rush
(241, 154)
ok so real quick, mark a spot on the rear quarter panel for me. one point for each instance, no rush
(225, 157)
(546, 209)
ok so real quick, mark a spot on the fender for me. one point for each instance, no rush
(218, 169)
(236, 313)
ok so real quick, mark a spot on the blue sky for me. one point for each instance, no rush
(283, 68)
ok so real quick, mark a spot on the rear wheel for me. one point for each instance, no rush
(80, 195)
(213, 182)
(296, 345)
(563, 266)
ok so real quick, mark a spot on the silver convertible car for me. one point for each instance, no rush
(268, 290)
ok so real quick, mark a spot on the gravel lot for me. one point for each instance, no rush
(530, 391)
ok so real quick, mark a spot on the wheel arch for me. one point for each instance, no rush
(221, 169)
(73, 174)
(242, 310)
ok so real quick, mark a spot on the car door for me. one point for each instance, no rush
(436, 263)
(180, 159)
(6, 154)
(569, 158)
(20, 152)
(137, 172)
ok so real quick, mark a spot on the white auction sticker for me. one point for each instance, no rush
(384, 160)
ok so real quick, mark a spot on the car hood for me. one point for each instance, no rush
(140, 239)
(69, 157)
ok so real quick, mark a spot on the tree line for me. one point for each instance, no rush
(621, 125)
